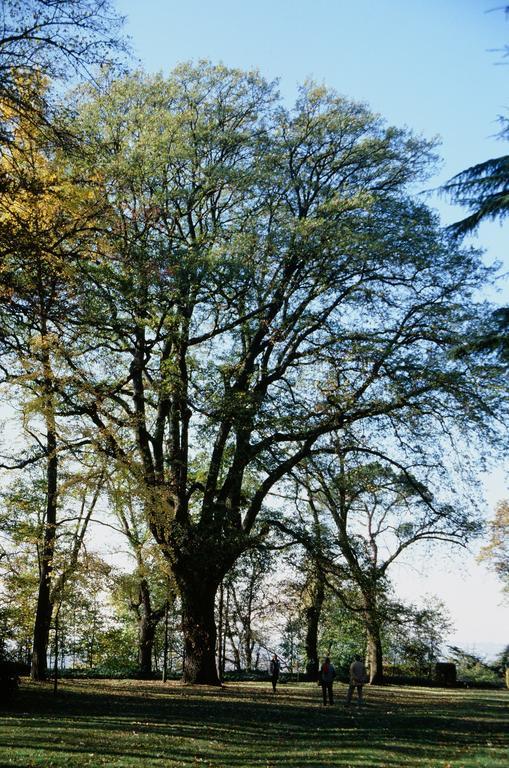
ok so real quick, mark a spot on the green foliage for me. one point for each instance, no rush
(483, 189)
(471, 669)
(220, 284)
(496, 552)
(116, 654)
(412, 637)
(343, 632)
(416, 636)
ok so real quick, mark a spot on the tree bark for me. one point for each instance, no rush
(39, 666)
(146, 631)
(220, 632)
(44, 608)
(248, 650)
(374, 648)
(312, 617)
(199, 629)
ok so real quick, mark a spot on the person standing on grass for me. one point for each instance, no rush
(358, 676)
(275, 668)
(327, 675)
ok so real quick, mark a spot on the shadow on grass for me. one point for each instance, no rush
(148, 724)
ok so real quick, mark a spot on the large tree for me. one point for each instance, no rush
(262, 278)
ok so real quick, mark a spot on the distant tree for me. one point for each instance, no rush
(247, 601)
(376, 510)
(85, 624)
(292, 644)
(502, 660)
(19, 595)
(496, 552)
(412, 637)
(149, 588)
(35, 582)
(472, 668)
(342, 630)
(310, 577)
(416, 636)
(142, 593)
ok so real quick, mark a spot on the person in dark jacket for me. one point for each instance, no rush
(327, 675)
(275, 668)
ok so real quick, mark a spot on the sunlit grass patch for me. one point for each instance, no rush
(128, 724)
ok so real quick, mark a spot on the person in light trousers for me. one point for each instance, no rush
(358, 676)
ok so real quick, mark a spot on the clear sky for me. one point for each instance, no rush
(436, 66)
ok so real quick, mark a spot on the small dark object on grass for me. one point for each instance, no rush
(445, 673)
(9, 682)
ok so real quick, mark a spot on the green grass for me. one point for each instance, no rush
(132, 724)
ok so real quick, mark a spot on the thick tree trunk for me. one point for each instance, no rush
(39, 666)
(312, 616)
(199, 629)
(146, 632)
(148, 621)
(248, 650)
(375, 657)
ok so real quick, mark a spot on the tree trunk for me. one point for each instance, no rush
(39, 666)
(148, 622)
(374, 651)
(199, 629)
(220, 632)
(146, 647)
(44, 604)
(248, 650)
(312, 614)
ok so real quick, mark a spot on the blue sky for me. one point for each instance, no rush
(428, 64)
(436, 66)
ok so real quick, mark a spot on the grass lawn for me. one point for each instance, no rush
(146, 724)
